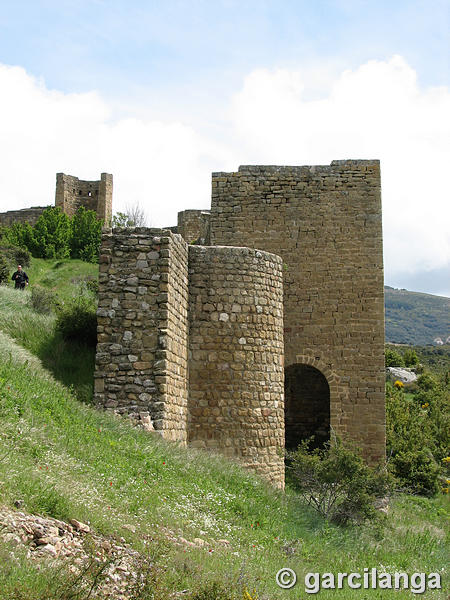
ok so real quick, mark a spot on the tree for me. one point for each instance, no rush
(86, 235)
(393, 358)
(410, 358)
(134, 216)
(19, 235)
(52, 234)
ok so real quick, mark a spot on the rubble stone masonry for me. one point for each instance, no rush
(194, 346)
(141, 361)
(236, 355)
(193, 226)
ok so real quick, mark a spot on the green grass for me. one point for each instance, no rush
(65, 459)
(69, 362)
(68, 460)
(60, 275)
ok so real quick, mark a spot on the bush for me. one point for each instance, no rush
(19, 235)
(393, 358)
(426, 382)
(4, 271)
(419, 469)
(42, 300)
(417, 437)
(337, 482)
(16, 256)
(77, 320)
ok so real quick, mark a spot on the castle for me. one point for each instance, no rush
(254, 325)
(71, 193)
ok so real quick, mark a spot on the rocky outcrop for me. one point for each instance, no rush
(406, 376)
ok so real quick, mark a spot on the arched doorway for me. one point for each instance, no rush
(307, 406)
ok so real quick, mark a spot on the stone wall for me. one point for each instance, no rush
(173, 342)
(194, 349)
(236, 356)
(141, 359)
(325, 223)
(190, 337)
(71, 193)
(24, 215)
(193, 226)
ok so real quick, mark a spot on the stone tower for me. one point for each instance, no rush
(325, 223)
(71, 193)
(192, 337)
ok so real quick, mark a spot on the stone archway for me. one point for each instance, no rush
(307, 405)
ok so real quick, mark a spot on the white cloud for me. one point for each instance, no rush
(164, 166)
(375, 111)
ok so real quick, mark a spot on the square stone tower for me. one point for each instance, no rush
(71, 193)
(325, 223)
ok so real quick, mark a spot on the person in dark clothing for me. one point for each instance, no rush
(20, 278)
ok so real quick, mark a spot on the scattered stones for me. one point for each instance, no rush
(382, 505)
(48, 539)
(79, 526)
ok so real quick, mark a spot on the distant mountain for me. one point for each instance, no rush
(416, 318)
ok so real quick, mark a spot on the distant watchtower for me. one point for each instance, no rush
(71, 193)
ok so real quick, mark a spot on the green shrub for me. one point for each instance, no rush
(4, 271)
(393, 358)
(92, 286)
(417, 428)
(417, 471)
(19, 235)
(42, 300)
(77, 320)
(16, 256)
(410, 358)
(426, 382)
(337, 482)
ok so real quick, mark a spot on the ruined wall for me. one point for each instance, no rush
(141, 359)
(193, 226)
(71, 193)
(325, 223)
(236, 356)
(24, 215)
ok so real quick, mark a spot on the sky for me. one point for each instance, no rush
(162, 93)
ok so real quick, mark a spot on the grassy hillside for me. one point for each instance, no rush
(61, 276)
(70, 363)
(414, 318)
(62, 458)
(67, 460)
